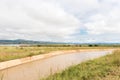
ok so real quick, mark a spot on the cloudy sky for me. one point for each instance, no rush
(60, 20)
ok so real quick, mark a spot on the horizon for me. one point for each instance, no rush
(53, 42)
(78, 21)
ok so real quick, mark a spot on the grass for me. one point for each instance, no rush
(10, 53)
(104, 68)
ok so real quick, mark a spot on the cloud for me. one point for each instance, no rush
(100, 19)
(60, 20)
(35, 20)
(106, 22)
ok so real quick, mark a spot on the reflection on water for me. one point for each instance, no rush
(41, 68)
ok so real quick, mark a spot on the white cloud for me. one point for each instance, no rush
(99, 17)
(79, 7)
(60, 20)
(105, 23)
(35, 20)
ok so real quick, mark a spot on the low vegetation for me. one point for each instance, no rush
(104, 68)
(9, 52)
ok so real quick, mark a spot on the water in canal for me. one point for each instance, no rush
(42, 68)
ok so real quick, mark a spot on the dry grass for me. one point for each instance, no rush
(8, 53)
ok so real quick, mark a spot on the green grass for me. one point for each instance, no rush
(104, 68)
(10, 53)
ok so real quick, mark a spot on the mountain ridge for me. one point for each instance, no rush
(23, 41)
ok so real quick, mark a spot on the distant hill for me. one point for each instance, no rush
(21, 41)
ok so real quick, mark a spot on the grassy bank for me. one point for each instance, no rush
(9, 53)
(104, 68)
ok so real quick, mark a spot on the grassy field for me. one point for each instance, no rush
(9, 53)
(104, 68)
